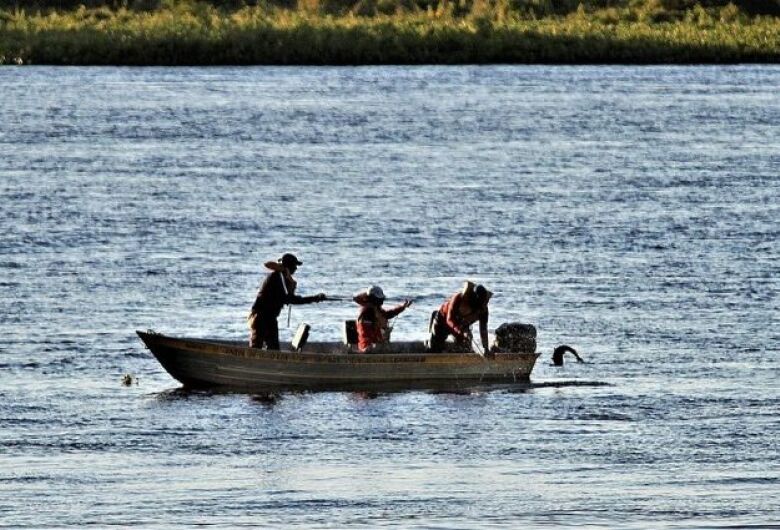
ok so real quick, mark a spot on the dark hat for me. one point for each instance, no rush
(289, 260)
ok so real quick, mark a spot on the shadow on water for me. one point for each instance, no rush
(184, 394)
(274, 395)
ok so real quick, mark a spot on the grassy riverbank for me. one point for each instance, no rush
(389, 31)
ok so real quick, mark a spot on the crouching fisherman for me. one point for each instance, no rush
(457, 314)
(277, 290)
(373, 326)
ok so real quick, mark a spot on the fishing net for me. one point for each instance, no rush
(515, 337)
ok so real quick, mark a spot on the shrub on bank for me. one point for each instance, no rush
(539, 7)
(462, 31)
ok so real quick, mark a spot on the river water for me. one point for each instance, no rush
(631, 212)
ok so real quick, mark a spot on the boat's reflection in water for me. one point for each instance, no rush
(274, 395)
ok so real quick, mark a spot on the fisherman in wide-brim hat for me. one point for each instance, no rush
(373, 320)
(457, 314)
(277, 290)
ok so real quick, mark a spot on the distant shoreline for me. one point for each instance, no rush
(201, 35)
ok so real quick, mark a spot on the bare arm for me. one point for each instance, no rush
(397, 310)
(483, 329)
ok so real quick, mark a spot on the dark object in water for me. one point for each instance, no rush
(267, 398)
(557, 356)
(128, 380)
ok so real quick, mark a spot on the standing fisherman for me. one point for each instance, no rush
(277, 290)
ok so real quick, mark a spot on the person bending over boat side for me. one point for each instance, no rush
(373, 321)
(457, 314)
(277, 290)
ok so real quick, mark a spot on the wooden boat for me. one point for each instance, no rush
(199, 363)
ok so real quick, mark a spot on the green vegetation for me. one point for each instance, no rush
(191, 32)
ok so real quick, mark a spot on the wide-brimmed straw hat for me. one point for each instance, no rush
(476, 292)
(372, 295)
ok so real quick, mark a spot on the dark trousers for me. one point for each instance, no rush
(264, 331)
(439, 333)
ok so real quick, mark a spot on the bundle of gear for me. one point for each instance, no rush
(514, 337)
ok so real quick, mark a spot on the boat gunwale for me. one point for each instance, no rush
(230, 349)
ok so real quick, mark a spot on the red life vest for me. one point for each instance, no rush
(371, 323)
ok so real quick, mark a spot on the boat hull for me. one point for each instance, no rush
(207, 363)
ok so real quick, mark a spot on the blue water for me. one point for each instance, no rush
(631, 212)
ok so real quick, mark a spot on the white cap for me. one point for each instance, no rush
(376, 292)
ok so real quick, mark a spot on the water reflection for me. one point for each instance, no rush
(624, 210)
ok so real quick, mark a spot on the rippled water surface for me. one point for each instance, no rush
(630, 212)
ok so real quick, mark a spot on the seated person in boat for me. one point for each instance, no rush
(457, 314)
(373, 320)
(277, 290)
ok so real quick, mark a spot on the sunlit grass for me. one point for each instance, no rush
(193, 33)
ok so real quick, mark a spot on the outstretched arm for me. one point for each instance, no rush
(397, 310)
(294, 299)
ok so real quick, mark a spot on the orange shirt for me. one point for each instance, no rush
(459, 316)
